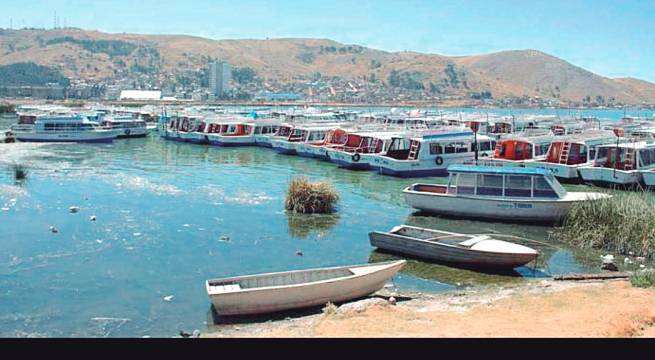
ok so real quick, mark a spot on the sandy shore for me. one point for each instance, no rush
(534, 309)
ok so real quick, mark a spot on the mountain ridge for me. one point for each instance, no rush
(92, 55)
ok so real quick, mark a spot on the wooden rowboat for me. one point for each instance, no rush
(477, 251)
(265, 293)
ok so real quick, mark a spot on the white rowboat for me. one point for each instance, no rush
(266, 293)
(477, 251)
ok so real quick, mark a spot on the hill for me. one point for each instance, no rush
(97, 56)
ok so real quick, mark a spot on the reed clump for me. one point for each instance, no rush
(624, 224)
(306, 197)
(643, 279)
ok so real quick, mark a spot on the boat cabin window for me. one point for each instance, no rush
(646, 157)
(485, 145)
(518, 185)
(490, 185)
(543, 189)
(436, 149)
(457, 147)
(316, 136)
(466, 184)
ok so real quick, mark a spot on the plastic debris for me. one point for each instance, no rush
(299, 253)
(92, 218)
(392, 300)
(225, 238)
(168, 298)
(74, 209)
(196, 333)
(53, 229)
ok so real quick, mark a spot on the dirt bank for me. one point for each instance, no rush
(536, 309)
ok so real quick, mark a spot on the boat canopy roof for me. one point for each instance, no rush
(498, 170)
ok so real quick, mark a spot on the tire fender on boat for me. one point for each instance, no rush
(356, 157)
(439, 160)
(127, 131)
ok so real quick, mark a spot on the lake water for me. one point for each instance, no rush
(171, 215)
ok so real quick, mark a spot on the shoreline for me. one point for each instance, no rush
(537, 308)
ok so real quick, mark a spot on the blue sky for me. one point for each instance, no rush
(612, 38)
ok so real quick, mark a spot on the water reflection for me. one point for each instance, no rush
(303, 225)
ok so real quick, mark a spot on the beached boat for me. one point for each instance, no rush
(619, 164)
(60, 128)
(478, 251)
(506, 193)
(430, 152)
(271, 292)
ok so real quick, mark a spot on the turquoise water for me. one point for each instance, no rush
(170, 216)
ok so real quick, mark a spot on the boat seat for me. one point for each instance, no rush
(475, 240)
(226, 288)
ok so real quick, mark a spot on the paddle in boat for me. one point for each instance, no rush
(271, 292)
(504, 193)
(475, 251)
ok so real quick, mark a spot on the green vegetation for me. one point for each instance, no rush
(341, 50)
(481, 95)
(409, 80)
(622, 224)
(375, 64)
(643, 279)
(245, 75)
(310, 198)
(306, 56)
(30, 74)
(109, 47)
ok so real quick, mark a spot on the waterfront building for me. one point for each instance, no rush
(220, 74)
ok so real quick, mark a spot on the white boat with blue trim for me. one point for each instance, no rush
(430, 152)
(504, 193)
(60, 128)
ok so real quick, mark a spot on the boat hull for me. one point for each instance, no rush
(348, 161)
(274, 299)
(459, 256)
(89, 137)
(610, 177)
(492, 208)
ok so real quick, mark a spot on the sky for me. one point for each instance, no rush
(611, 38)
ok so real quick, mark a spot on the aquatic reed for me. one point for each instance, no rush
(20, 172)
(624, 223)
(306, 197)
(643, 279)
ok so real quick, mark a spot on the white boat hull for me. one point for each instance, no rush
(606, 176)
(494, 208)
(279, 298)
(73, 136)
(450, 254)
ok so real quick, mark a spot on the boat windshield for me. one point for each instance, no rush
(506, 185)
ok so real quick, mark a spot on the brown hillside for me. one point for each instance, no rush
(508, 73)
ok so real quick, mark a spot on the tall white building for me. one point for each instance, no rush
(220, 74)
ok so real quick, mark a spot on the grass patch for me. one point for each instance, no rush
(621, 224)
(330, 309)
(306, 197)
(643, 279)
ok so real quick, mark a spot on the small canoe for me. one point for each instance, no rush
(266, 293)
(476, 251)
